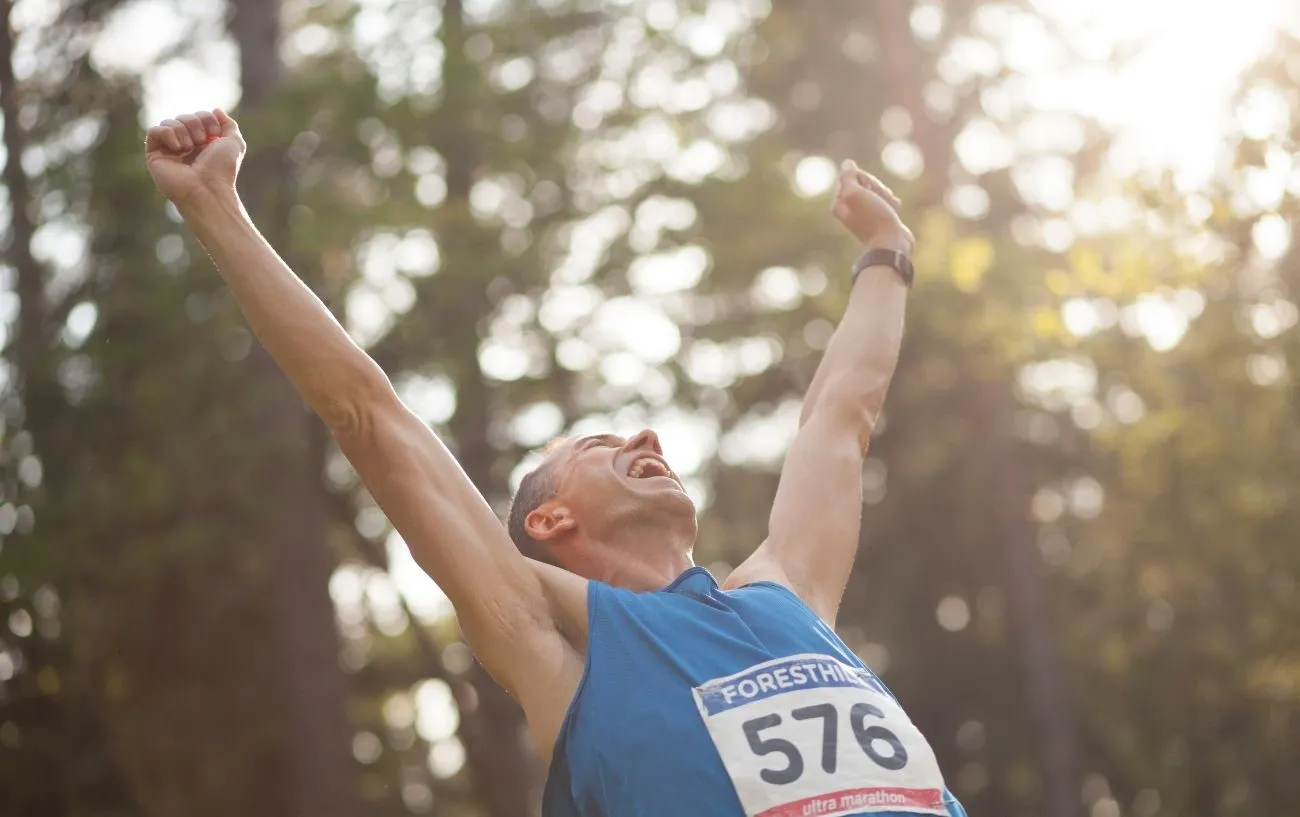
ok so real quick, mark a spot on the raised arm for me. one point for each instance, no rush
(504, 604)
(813, 531)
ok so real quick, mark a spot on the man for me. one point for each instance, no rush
(649, 689)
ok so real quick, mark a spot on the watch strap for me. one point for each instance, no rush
(885, 258)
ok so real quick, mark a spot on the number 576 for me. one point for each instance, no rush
(867, 736)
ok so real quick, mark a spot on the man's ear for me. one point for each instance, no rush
(549, 520)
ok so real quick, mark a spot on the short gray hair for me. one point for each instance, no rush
(537, 486)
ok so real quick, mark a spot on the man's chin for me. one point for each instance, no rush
(665, 493)
(677, 494)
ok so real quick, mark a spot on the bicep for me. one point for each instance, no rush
(816, 517)
(453, 535)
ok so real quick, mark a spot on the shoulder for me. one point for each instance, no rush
(763, 568)
(757, 570)
(768, 582)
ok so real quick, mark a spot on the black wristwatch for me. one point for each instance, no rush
(884, 258)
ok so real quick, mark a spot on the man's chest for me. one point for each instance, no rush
(786, 737)
(810, 735)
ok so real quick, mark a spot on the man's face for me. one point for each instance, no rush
(606, 481)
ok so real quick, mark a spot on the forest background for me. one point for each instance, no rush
(1081, 537)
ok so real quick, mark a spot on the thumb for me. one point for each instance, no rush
(850, 173)
(229, 127)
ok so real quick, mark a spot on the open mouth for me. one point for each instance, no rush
(649, 467)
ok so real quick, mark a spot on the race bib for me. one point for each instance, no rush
(811, 735)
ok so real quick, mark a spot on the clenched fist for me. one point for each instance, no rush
(870, 210)
(194, 154)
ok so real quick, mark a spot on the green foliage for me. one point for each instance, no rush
(1078, 567)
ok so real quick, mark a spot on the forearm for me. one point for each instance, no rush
(324, 364)
(854, 374)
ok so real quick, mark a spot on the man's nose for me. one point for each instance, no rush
(645, 439)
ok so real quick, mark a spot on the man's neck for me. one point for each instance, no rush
(644, 576)
(644, 560)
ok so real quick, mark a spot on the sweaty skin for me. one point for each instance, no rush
(618, 514)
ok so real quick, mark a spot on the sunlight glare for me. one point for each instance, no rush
(1170, 101)
(1160, 319)
(814, 176)
(424, 598)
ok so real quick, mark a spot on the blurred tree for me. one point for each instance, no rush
(550, 217)
(53, 758)
(906, 88)
(317, 770)
(173, 620)
(1185, 580)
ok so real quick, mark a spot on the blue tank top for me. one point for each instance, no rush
(696, 702)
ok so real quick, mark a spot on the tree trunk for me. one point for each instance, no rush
(172, 603)
(30, 357)
(493, 729)
(1048, 697)
(320, 773)
(31, 343)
